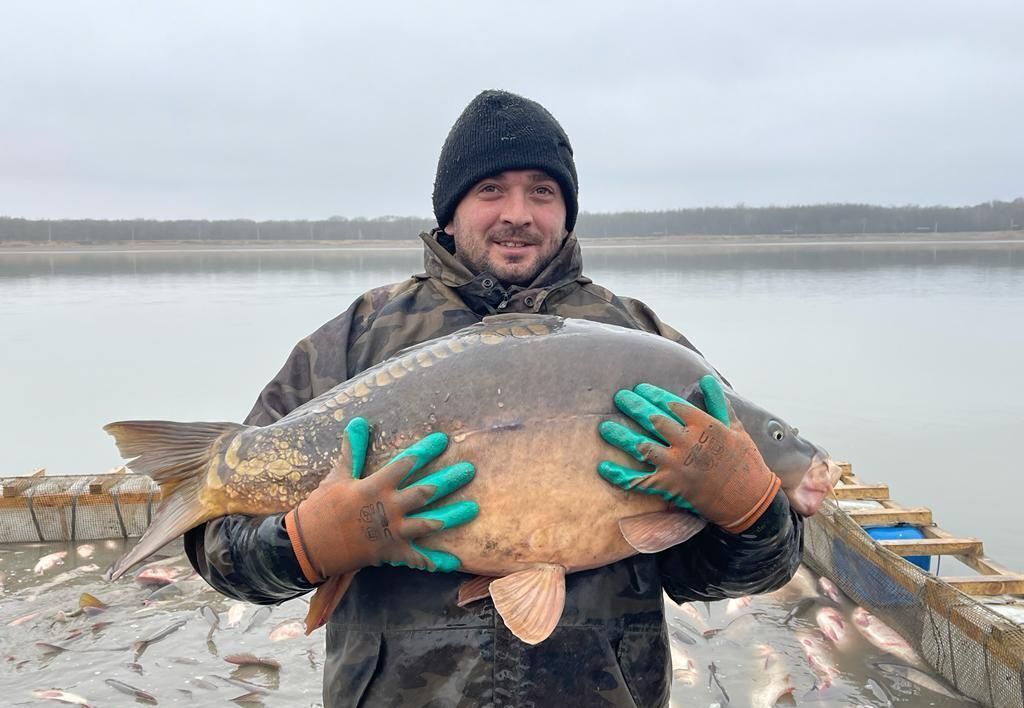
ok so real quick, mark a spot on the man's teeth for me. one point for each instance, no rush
(512, 244)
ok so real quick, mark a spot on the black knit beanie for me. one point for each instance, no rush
(501, 131)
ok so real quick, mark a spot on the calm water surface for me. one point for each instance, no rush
(906, 362)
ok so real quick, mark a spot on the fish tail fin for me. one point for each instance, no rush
(175, 456)
(325, 599)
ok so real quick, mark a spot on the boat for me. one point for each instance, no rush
(969, 629)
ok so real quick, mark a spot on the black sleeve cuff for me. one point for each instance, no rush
(715, 564)
(247, 558)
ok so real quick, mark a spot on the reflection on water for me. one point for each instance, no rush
(409, 259)
(168, 634)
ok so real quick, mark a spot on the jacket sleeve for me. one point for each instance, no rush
(251, 558)
(715, 564)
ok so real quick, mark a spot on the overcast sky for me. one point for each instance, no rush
(266, 110)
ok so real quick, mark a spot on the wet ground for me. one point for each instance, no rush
(174, 641)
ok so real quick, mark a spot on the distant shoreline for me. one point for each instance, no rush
(1003, 239)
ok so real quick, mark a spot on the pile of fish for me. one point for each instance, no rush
(161, 636)
(806, 643)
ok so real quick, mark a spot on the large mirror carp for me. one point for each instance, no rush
(520, 397)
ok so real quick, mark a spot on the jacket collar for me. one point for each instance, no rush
(483, 292)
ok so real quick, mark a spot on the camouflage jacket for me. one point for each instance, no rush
(397, 638)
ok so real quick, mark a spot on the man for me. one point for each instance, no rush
(505, 198)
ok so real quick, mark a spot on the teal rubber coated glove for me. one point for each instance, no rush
(351, 521)
(704, 463)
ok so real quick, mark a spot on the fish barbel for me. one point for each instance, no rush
(520, 397)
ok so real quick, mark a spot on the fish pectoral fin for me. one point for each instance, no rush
(325, 599)
(476, 588)
(654, 532)
(531, 601)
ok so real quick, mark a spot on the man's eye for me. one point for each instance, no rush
(545, 190)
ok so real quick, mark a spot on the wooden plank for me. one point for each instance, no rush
(916, 516)
(979, 562)
(14, 487)
(988, 584)
(934, 546)
(862, 491)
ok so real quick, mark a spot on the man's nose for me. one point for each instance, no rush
(516, 209)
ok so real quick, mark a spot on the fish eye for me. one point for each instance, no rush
(776, 431)
(778, 435)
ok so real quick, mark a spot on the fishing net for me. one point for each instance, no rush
(76, 508)
(978, 651)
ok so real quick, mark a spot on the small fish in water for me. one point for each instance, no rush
(820, 661)
(85, 550)
(713, 677)
(23, 619)
(884, 637)
(159, 575)
(48, 648)
(258, 617)
(49, 561)
(203, 683)
(684, 670)
(917, 677)
(137, 693)
(736, 625)
(55, 694)
(829, 590)
(289, 629)
(799, 609)
(213, 619)
(162, 593)
(239, 683)
(832, 625)
(91, 605)
(141, 645)
(773, 685)
(235, 613)
(247, 659)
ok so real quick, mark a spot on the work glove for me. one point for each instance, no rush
(350, 522)
(704, 463)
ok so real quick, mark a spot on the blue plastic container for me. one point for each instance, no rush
(902, 532)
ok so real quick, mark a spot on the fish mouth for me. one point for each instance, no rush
(816, 484)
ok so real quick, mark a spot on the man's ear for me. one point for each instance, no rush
(450, 228)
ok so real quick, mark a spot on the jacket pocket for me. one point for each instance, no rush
(352, 660)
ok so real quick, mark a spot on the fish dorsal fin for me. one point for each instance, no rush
(531, 601)
(654, 532)
(325, 599)
(476, 588)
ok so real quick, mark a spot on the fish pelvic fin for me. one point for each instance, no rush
(476, 588)
(325, 599)
(654, 532)
(175, 456)
(531, 601)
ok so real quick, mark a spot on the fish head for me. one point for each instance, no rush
(808, 472)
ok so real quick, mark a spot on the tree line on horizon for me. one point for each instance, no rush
(740, 220)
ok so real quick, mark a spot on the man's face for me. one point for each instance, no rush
(510, 225)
